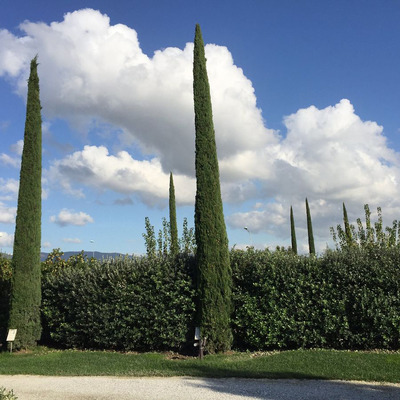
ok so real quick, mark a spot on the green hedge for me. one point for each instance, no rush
(122, 304)
(344, 299)
(368, 281)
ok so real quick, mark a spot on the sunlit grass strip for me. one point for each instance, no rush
(298, 364)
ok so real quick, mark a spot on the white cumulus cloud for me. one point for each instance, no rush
(95, 167)
(8, 160)
(330, 156)
(12, 160)
(7, 214)
(338, 155)
(98, 71)
(69, 217)
(6, 240)
(9, 189)
(18, 147)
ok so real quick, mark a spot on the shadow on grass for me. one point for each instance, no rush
(296, 388)
(208, 370)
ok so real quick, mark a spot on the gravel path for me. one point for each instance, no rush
(32, 387)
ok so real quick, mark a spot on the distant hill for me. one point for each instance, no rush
(89, 254)
(5, 255)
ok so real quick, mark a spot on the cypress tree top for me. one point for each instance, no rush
(172, 217)
(311, 244)
(204, 126)
(209, 208)
(349, 236)
(293, 232)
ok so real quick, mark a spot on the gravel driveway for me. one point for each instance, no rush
(29, 387)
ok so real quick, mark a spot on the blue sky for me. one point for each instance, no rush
(305, 100)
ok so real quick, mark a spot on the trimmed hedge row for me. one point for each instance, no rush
(122, 304)
(344, 299)
(284, 301)
(348, 299)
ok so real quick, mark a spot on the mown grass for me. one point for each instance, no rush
(300, 364)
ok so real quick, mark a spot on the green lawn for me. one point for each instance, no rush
(302, 364)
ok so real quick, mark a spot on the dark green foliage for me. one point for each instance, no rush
(172, 217)
(123, 304)
(282, 301)
(344, 299)
(5, 289)
(348, 299)
(25, 293)
(311, 245)
(212, 255)
(368, 280)
(293, 232)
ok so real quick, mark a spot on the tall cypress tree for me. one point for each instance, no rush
(214, 276)
(347, 230)
(26, 285)
(311, 245)
(172, 217)
(293, 232)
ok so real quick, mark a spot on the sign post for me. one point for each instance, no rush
(199, 341)
(11, 337)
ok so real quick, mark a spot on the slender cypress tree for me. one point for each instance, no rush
(26, 285)
(172, 218)
(311, 245)
(214, 276)
(347, 230)
(293, 232)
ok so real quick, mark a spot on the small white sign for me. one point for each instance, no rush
(11, 335)
(197, 333)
